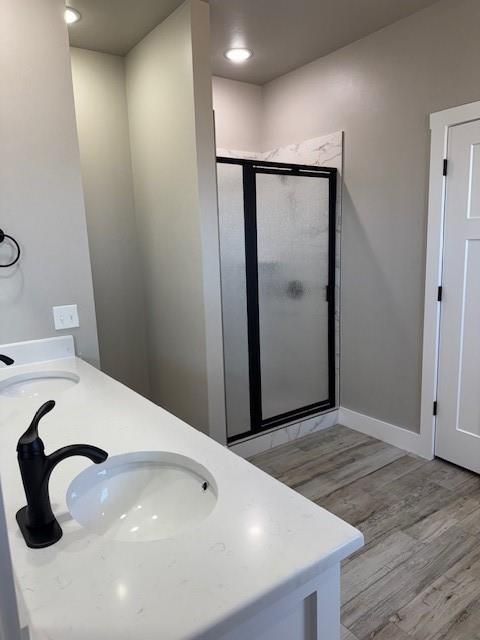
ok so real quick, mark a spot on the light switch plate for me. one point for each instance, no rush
(66, 317)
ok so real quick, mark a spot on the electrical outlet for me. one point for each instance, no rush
(66, 317)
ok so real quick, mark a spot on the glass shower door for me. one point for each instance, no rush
(277, 251)
(292, 246)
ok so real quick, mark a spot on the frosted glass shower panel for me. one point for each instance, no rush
(234, 302)
(277, 252)
(293, 271)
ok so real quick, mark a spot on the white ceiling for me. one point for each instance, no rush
(284, 34)
(115, 26)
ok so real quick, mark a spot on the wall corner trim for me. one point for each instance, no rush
(389, 433)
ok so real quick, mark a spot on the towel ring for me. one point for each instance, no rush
(17, 246)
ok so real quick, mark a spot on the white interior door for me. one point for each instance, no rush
(458, 419)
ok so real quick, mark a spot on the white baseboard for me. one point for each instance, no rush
(396, 436)
(283, 435)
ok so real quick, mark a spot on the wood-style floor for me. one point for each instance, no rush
(418, 575)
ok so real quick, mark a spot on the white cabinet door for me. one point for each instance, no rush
(458, 419)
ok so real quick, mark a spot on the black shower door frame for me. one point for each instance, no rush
(250, 170)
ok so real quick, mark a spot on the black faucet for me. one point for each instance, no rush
(6, 360)
(36, 520)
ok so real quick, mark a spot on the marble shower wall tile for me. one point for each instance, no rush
(324, 151)
(239, 155)
(283, 435)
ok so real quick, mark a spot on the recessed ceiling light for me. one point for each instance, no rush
(238, 55)
(71, 15)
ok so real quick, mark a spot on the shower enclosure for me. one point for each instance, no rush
(277, 250)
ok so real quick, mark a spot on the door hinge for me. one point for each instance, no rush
(435, 408)
(440, 294)
(445, 166)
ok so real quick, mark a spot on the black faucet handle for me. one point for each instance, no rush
(30, 442)
(6, 359)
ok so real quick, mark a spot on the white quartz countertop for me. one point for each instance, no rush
(261, 541)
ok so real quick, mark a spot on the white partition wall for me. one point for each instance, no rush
(173, 157)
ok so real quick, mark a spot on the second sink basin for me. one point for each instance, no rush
(39, 383)
(142, 496)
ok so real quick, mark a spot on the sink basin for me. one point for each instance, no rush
(142, 496)
(40, 383)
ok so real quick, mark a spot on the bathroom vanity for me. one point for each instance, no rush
(173, 537)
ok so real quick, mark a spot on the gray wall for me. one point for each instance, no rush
(41, 199)
(171, 135)
(238, 114)
(380, 91)
(102, 122)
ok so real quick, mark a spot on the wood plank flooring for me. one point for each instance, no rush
(418, 575)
